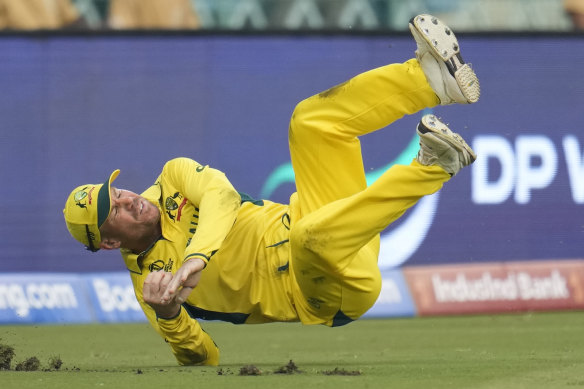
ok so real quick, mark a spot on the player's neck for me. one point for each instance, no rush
(147, 240)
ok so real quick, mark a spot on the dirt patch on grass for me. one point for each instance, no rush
(6, 355)
(337, 371)
(249, 370)
(289, 368)
(55, 363)
(30, 364)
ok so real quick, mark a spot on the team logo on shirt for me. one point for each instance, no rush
(173, 209)
(159, 264)
(171, 205)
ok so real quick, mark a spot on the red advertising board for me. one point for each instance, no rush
(497, 287)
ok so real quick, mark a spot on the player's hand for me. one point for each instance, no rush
(184, 281)
(154, 287)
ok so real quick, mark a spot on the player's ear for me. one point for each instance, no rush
(110, 244)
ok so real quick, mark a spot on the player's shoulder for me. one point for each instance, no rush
(181, 163)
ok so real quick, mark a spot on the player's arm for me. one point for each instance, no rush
(218, 203)
(189, 343)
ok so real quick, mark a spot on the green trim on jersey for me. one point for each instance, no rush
(245, 198)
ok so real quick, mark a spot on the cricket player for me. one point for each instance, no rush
(313, 260)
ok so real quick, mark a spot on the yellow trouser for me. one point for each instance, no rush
(336, 218)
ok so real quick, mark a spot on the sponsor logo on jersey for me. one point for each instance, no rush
(159, 264)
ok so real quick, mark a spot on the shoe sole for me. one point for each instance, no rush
(430, 123)
(443, 45)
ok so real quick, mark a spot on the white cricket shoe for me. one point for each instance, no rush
(442, 147)
(439, 55)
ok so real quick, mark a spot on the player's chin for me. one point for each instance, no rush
(150, 214)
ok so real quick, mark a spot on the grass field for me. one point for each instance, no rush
(544, 350)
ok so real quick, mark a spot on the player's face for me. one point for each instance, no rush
(131, 219)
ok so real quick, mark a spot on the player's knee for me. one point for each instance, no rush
(300, 121)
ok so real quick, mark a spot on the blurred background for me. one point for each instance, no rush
(289, 15)
(90, 86)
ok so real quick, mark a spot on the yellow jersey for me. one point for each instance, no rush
(244, 243)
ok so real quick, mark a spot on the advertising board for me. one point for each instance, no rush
(497, 287)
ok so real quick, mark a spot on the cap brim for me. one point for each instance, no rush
(103, 199)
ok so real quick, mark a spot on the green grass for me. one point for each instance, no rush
(544, 350)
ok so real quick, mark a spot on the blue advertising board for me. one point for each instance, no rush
(112, 296)
(74, 108)
(43, 298)
(46, 297)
